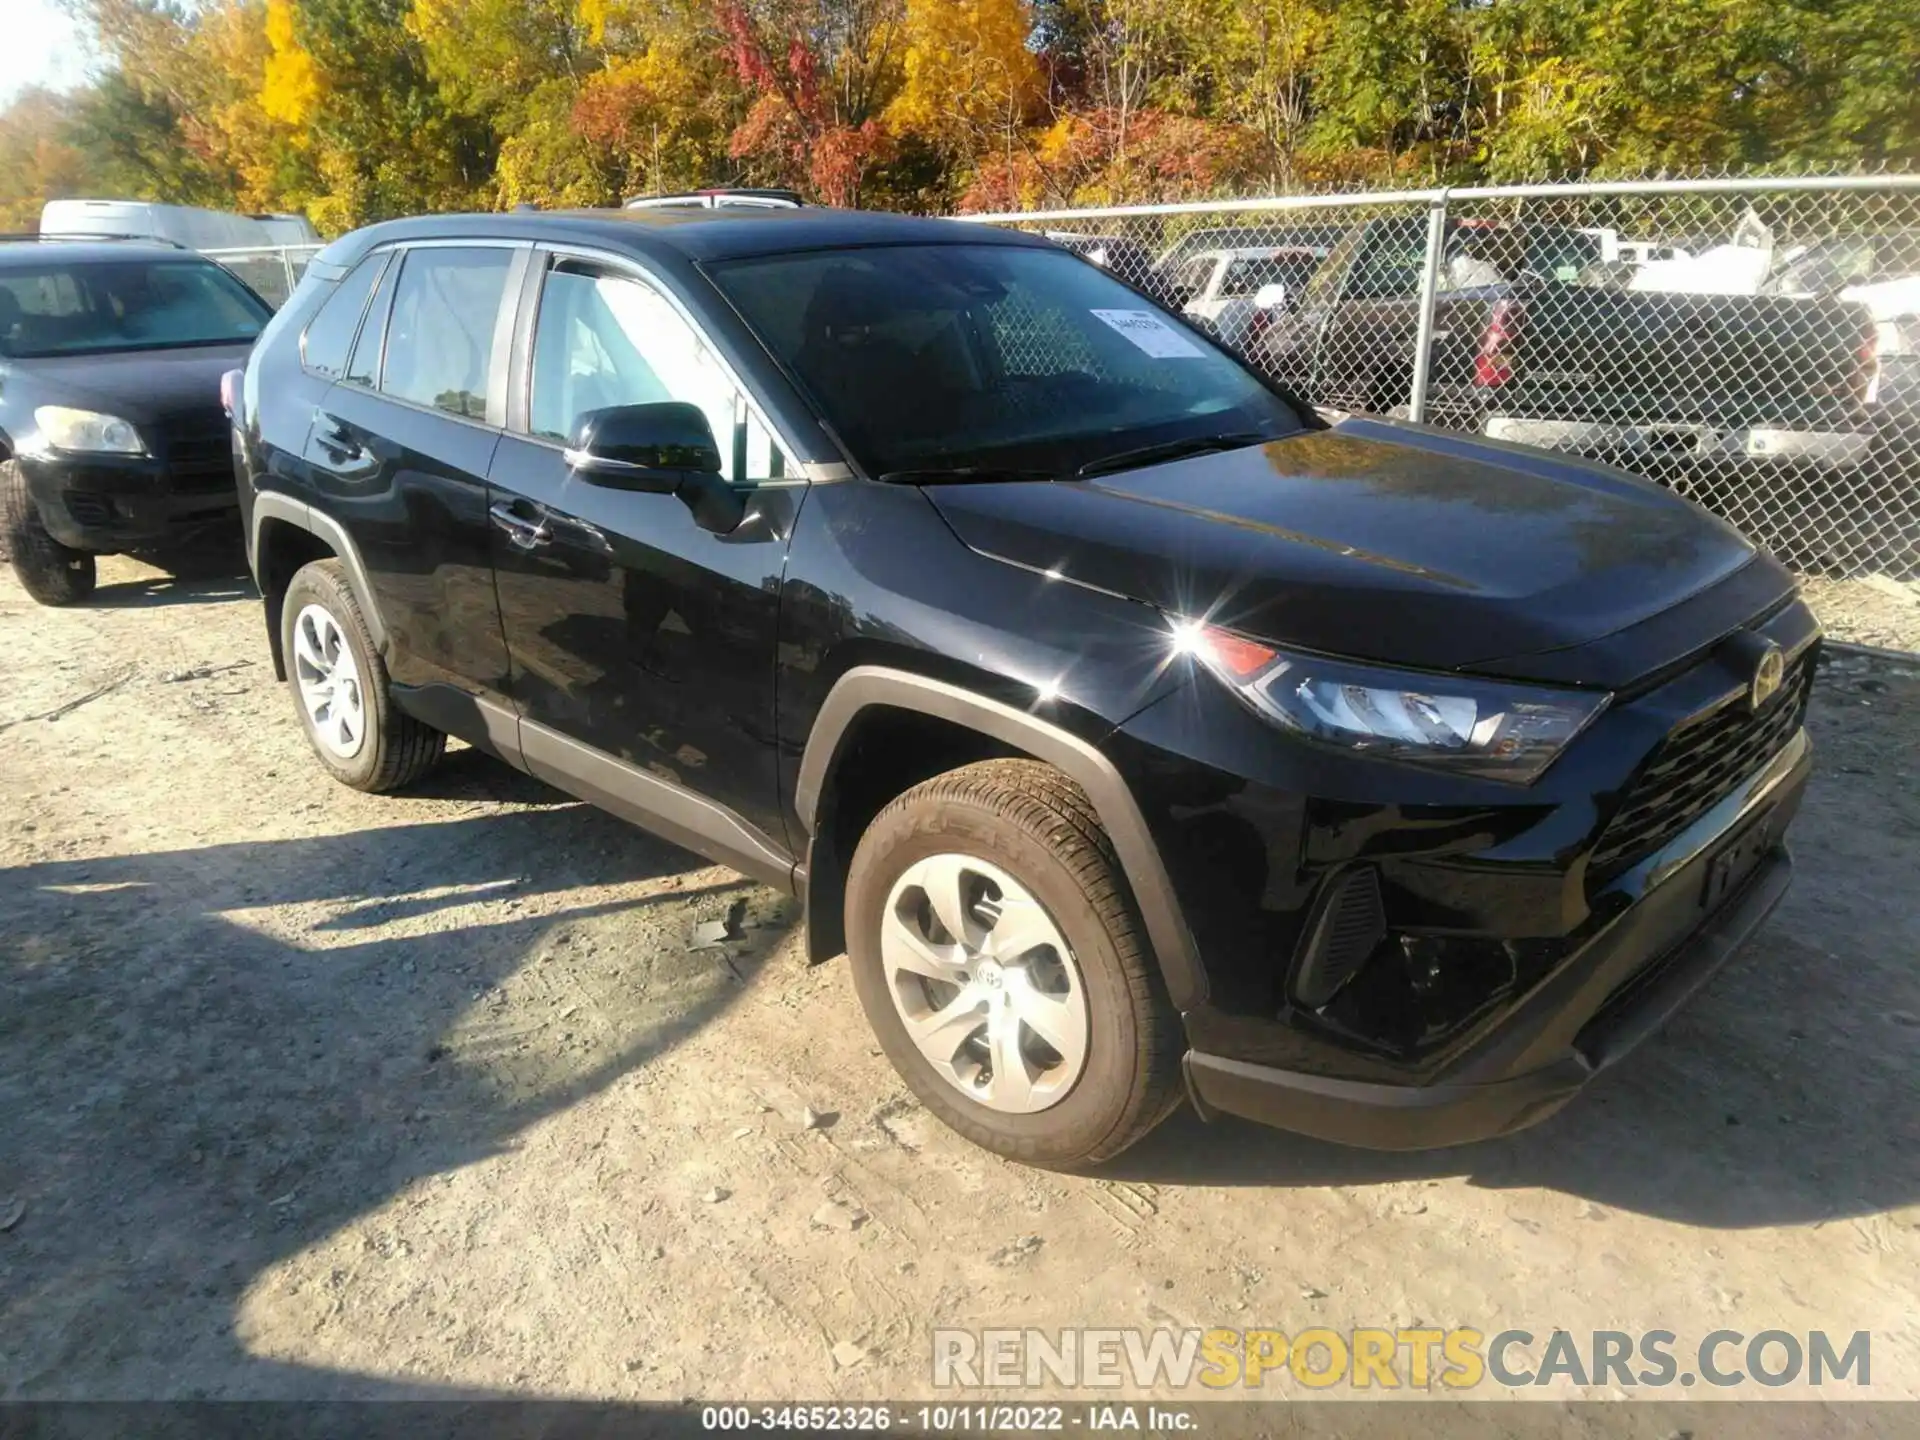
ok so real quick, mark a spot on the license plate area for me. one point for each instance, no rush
(1736, 859)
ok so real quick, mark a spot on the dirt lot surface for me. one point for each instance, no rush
(1876, 610)
(304, 1092)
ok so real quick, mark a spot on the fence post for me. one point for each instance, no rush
(1429, 287)
(286, 264)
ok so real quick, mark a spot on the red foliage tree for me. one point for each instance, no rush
(816, 69)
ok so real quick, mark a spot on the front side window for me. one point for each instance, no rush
(98, 307)
(606, 340)
(323, 349)
(945, 356)
(440, 339)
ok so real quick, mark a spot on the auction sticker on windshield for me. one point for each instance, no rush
(1151, 334)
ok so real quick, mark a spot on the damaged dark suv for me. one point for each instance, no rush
(1134, 732)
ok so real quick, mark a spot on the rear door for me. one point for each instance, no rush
(642, 645)
(399, 452)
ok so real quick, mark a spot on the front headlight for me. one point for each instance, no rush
(1485, 728)
(87, 431)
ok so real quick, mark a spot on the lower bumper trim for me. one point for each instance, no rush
(1378, 1116)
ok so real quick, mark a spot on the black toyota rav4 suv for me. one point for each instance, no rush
(1135, 732)
(112, 435)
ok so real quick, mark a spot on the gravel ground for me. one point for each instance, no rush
(1873, 611)
(310, 1093)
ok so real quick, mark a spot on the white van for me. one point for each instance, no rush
(183, 225)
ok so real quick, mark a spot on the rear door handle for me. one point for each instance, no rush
(524, 533)
(332, 436)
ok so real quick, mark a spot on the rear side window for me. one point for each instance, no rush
(323, 349)
(440, 340)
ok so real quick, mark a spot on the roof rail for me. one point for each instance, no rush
(75, 236)
(718, 196)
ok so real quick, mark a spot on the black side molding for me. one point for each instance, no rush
(635, 795)
(668, 810)
(1083, 763)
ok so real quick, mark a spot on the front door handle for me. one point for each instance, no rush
(521, 532)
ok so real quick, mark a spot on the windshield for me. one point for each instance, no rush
(94, 307)
(1827, 267)
(964, 356)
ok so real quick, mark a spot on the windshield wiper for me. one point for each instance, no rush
(963, 474)
(1170, 450)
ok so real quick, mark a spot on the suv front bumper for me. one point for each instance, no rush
(107, 503)
(1618, 988)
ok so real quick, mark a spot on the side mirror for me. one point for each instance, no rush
(666, 448)
(643, 447)
(1271, 297)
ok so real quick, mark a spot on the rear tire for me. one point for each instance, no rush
(1036, 876)
(341, 690)
(52, 573)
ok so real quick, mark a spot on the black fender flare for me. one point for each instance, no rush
(866, 686)
(278, 505)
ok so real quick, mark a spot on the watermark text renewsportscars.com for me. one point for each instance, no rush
(1319, 1358)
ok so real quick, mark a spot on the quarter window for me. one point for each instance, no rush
(606, 340)
(364, 367)
(440, 340)
(330, 333)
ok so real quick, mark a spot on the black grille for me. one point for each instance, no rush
(88, 509)
(1352, 922)
(198, 451)
(1695, 768)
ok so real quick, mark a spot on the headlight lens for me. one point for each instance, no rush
(1468, 726)
(87, 430)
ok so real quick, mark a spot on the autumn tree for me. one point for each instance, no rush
(820, 72)
(354, 110)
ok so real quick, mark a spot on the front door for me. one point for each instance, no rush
(637, 637)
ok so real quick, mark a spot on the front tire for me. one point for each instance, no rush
(52, 573)
(998, 959)
(340, 687)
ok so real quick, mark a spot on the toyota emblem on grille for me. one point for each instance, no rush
(1770, 670)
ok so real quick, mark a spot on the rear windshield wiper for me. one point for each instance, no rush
(1171, 450)
(964, 474)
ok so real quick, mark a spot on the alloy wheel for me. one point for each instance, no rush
(329, 681)
(984, 983)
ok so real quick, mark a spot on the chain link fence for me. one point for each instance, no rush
(1754, 344)
(271, 270)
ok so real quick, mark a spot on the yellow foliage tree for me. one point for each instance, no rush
(291, 88)
(969, 74)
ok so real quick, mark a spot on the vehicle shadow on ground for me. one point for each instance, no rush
(199, 573)
(191, 1097)
(155, 590)
(1769, 1101)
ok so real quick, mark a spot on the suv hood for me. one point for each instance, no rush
(1394, 543)
(137, 385)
